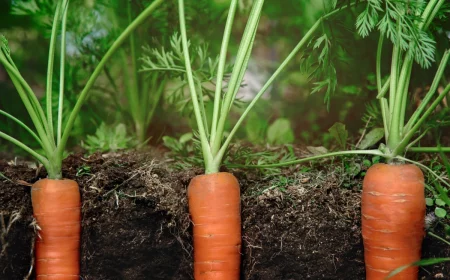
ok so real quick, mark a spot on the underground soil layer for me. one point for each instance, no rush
(135, 225)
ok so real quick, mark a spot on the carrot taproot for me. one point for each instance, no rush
(214, 206)
(393, 214)
(57, 210)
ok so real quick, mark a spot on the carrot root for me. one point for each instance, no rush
(393, 215)
(57, 210)
(214, 205)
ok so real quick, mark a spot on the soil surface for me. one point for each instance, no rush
(297, 225)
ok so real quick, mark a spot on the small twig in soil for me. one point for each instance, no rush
(137, 172)
(438, 237)
(364, 132)
(123, 183)
(6, 178)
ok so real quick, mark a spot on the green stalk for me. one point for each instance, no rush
(302, 160)
(19, 122)
(133, 86)
(157, 96)
(404, 143)
(221, 69)
(397, 142)
(244, 69)
(429, 149)
(240, 66)
(385, 88)
(395, 95)
(383, 102)
(30, 109)
(431, 92)
(207, 156)
(394, 79)
(403, 103)
(269, 82)
(430, 12)
(27, 95)
(385, 114)
(51, 59)
(39, 157)
(97, 71)
(378, 63)
(202, 107)
(62, 73)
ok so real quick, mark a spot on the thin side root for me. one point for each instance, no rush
(6, 227)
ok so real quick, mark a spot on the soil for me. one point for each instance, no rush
(297, 225)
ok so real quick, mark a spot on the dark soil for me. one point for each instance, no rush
(136, 226)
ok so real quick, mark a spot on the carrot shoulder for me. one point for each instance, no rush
(56, 208)
(393, 213)
(214, 205)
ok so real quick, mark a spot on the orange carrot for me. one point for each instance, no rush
(393, 213)
(214, 205)
(56, 207)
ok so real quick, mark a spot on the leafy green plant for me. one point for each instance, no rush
(53, 138)
(108, 139)
(280, 132)
(83, 171)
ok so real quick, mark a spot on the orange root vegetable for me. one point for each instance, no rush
(393, 214)
(56, 207)
(214, 205)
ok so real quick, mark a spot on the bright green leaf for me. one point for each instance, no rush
(440, 202)
(186, 137)
(280, 132)
(371, 138)
(367, 163)
(353, 169)
(256, 128)
(429, 201)
(339, 133)
(440, 212)
(317, 150)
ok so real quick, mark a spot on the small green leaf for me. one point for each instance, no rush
(440, 202)
(171, 143)
(447, 230)
(371, 138)
(256, 128)
(317, 150)
(376, 159)
(186, 137)
(351, 89)
(429, 201)
(440, 212)
(354, 169)
(339, 133)
(367, 163)
(280, 132)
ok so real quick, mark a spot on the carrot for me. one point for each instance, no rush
(393, 213)
(214, 205)
(56, 207)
